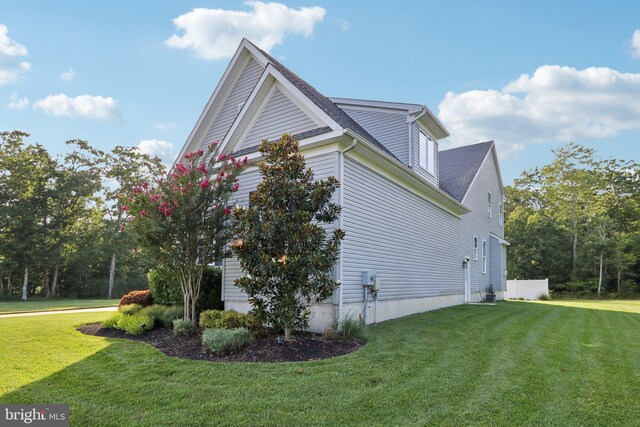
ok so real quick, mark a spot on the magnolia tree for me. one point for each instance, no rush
(181, 217)
(286, 255)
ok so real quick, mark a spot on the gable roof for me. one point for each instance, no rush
(459, 166)
(324, 103)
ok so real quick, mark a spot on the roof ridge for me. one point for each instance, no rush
(475, 144)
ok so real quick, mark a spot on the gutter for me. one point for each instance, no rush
(340, 220)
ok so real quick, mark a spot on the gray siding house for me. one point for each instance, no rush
(424, 225)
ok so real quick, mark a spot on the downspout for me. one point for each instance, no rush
(411, 121)
(340, 220)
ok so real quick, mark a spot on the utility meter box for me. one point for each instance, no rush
(375, 284)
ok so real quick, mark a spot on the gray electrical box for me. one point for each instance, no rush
(366, 278)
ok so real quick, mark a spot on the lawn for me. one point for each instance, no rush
(53, 305)
(515, 363)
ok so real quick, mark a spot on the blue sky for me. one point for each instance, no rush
(531, 75)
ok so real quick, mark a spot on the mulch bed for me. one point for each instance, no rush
(305, 346)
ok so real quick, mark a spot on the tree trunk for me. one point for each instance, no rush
(574, 252)
(9, 284)
(112, 275)
(1, 286)
(600, 277)
(54, 282)
(287, 333)
(25, 283)
(45, 282)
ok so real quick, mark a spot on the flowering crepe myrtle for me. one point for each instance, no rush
(182, 217)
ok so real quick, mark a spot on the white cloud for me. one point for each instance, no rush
(12, 67)
(158, 148)
(215, 33)
(164, 125)
(345, 26)
(635, 44)
(68, 75)
(84, 106)
(554, 104)
(16, 103)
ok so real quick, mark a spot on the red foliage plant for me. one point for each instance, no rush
(143, 298)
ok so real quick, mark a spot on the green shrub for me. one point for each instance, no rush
(626, 289)
(183, 327)
(348, 329)
(162, 314)
(230, 319)
(223, 341)
(166, 289)
(130, 308)
(112, 322)
(134, 324)
(210, 319)
(544, 297)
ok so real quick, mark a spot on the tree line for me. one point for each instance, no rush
(576, 221)
(62, 219)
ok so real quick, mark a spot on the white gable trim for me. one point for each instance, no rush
(493, 151)
(272, 76)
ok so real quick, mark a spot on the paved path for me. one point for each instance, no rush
(70, 311)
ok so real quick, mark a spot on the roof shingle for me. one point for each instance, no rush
(458, 167)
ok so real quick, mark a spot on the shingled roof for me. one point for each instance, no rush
(458, 167)
(324, 103)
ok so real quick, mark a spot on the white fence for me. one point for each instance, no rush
(527, 289)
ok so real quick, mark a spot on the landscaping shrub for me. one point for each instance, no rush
(223, 341)
(183, 327)
(165, 288)
(130, 308)
(143, 298)
(135, 324)
(210, 319)
(230, 319)
(162, 314)
(348, 329)
(544, 297)
(112, 322)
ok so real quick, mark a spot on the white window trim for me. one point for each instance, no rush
(475, 248)
(429, 145)
(484, 257)
(489, 201)
(423, 148)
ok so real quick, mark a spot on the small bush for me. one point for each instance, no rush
(230, 319)
(223, 341)
(112, 322)
(544, 297)
(143, 298)
(163, 315)
(130, 308)
(183, 327)
(135, 324)
(348, 329)
(210, 319)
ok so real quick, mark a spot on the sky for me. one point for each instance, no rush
(529, 75)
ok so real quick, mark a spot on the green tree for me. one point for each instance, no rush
(282, 248)
(181, 218)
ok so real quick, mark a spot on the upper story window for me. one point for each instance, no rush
(489, 204)
(426, 153)
(501, 214)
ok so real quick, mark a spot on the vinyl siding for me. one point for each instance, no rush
(239, 94)
(390, 128)
(407, 240)
(477, 223)
(279, 115)
(323, 166)
(415, 135)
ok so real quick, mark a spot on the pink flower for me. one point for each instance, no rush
(221, 174)
(167, 212)
(222, 157)
(143, 213)
(227, 211)
(204, 184)
(235, 187)
(202, 168)
(245, 160)
(124, 208)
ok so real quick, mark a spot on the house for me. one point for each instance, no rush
(423, 226)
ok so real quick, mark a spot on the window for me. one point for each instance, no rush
(501, 214)
(426, 153)
(489, 204)
(484, 256)
(475, 248)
